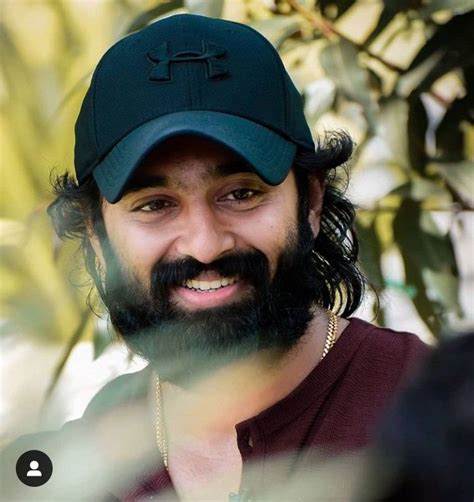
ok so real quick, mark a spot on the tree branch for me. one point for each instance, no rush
(330, 32)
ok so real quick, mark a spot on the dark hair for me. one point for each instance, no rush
(76, 211)
(336, 247)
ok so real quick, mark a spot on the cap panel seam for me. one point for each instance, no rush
(94, 120)
(278, 64)
(281, 69)
(95, 78)
(187, 66)
(134, 39)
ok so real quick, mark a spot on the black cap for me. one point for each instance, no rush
(188, 74)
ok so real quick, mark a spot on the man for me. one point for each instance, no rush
(220, 248)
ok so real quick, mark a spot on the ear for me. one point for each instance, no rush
(315, 202)
(95, 243)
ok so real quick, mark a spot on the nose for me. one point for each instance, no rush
(203, 237)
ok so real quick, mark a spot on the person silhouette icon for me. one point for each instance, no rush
(28, 471)
(34, 469)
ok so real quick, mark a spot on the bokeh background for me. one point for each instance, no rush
(397, 74)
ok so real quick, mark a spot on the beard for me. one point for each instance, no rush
(181, 344)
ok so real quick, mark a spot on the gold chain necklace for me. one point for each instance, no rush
(160, 428)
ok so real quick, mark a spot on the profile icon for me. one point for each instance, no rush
(34, 468)
(34, 472)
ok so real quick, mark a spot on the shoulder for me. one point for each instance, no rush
(385, 353)
(388, 343)
(121, 390)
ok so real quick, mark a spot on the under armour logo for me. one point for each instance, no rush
(210, 55)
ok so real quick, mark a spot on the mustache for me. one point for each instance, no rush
(251, 265)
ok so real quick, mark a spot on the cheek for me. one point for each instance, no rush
(137, 248)
(271, 232)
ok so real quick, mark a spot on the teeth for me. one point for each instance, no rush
(207, 285)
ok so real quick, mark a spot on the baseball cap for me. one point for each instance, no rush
(188, 74)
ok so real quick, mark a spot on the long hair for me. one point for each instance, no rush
(336, 248)
(76, 211)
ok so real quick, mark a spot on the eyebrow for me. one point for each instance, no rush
(151, 181)
(232, 167)
(220, 171)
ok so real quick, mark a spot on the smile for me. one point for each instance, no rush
(199, 285)
(212, 292)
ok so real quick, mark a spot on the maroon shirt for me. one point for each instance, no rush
(334, 410)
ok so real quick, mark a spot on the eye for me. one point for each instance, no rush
(155, 205)
(241, 194)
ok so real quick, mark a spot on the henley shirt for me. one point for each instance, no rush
(334, 410)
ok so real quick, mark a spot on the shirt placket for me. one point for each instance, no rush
(251, 444)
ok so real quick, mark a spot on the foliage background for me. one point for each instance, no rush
(397, 74)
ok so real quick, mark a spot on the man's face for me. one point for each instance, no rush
(201, 253)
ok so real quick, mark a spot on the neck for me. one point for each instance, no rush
(213, 406)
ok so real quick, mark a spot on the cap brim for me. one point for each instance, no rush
(267, 152)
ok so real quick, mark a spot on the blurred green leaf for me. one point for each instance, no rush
(411, 80)
(446, 36)
(12, 233)
(146, 17)
(449, 136)
(454, 6)
(77, 335)
(460, 177)
(370, 253)
(392, 126)
(339, 7)
(71, 39)
(390, 10)
(437, 247)
(407, 235)
(417, 125)
(278, 28)
(319, 98)
(448, 61)
(422, 189)
(443, 287)
(425, 251)
(340, 61)
(209, 8)
(452, 43)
